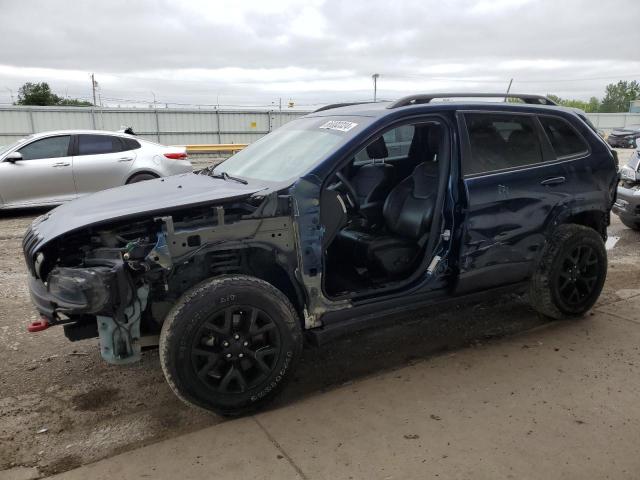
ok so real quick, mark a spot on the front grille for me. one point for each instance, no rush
(29, 243)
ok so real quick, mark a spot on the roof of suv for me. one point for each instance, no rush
(383, 108)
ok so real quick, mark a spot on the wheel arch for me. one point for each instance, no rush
(594, 219)
(261, 261)
(144, 171)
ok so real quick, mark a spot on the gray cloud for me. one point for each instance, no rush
(255, 51)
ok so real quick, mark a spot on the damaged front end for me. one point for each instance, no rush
(117, 281)
(96, 295)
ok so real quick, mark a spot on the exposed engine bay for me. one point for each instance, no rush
(118, 281)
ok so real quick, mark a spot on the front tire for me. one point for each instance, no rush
(571, 272)
(230, 344)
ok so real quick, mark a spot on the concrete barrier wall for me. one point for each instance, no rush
(167, 126)
(184, 127)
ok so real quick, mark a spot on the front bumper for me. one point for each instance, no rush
(41, 297)
(627, 203)
(78, 291)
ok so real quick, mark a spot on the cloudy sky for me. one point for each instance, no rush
(253, 52)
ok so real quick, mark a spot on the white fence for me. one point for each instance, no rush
(611, 121)
(184, 127)
(168, 126)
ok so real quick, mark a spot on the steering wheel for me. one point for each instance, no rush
(351, 194)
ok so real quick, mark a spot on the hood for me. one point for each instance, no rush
(138, 199)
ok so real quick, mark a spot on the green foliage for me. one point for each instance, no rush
(74, 102)
(41, 94)
(617, 98)
(619, 95)
(591, 106)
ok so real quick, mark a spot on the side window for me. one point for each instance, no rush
(398, 141)
(395, 146)
(501, 141)
(52, 147)
(98, 144)
(563, 137)
(130, 143)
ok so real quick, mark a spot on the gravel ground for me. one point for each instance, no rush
(61, 406)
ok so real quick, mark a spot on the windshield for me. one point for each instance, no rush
(290, 151)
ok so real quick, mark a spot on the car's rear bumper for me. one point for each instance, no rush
(627, 203)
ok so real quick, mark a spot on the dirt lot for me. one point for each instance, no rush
(62, 406)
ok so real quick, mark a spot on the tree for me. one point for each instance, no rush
(41, 94)
(591, 106)
(619, 95)
(37, 94)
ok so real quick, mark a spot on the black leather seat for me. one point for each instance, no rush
(373, 181)
(408, 211)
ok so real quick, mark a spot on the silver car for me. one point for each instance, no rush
(50, 168)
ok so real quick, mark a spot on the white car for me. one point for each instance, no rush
(51, 168)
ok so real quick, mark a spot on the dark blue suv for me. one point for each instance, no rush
(323, 226)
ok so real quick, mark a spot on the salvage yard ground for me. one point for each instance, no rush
(61, 406)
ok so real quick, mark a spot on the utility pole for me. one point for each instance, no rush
(11, 94)
(375, 77)
(93, 88)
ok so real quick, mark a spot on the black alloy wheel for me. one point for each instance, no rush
(235, 349)
(578, 275)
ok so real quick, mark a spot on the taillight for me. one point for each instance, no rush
(176, 156)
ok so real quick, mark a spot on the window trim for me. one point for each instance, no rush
(548, 153)
(572, 156)
(69, 147)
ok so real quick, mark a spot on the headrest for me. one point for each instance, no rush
(377, 149)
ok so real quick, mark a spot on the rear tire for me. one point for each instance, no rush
(141, 177)
(571, 272)
(631, 224)
(230, 344)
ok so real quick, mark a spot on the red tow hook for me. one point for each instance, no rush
(38, 325)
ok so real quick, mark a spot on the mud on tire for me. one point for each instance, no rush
(571, 272)
(230, 344)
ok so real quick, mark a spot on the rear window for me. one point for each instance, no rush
(98, 144)
(501, 141)
(130, 143)
(563, 137)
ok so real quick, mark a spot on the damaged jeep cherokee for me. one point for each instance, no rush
(338, 218)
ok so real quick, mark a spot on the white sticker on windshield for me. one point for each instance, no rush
(339, 125)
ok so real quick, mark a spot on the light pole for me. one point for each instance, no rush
(375, 85)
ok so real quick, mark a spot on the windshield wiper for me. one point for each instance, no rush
(224, 176)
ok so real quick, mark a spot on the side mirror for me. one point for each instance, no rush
(13, 157)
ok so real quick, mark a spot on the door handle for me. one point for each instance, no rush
(553, 181)
(125, 159)
(61, 164)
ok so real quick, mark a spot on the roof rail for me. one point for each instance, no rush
(338, 105)
(427, 97)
